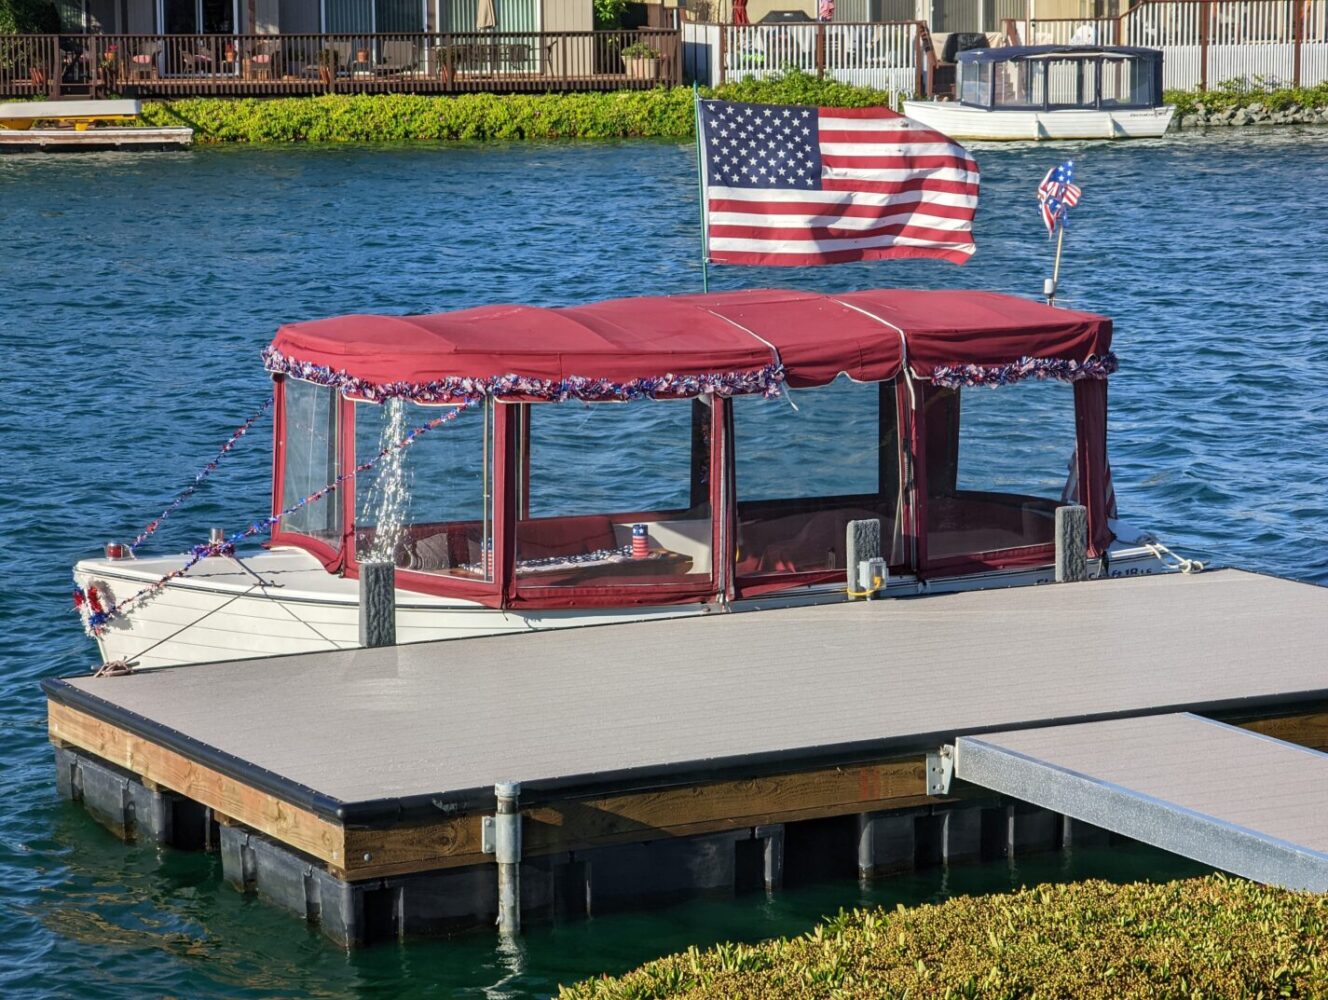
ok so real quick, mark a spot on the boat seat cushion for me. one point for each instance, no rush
(796, 543)
(540, 538)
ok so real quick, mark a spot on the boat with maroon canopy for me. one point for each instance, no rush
(646, 457)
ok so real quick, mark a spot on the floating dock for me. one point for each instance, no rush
(421, 789)
(79, 130)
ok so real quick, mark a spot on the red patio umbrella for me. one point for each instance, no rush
(740, 12)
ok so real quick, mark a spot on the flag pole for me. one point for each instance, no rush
(700, 190)
(1049, 286)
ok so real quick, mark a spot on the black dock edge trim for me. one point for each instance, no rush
(296, 794)
(537, 791)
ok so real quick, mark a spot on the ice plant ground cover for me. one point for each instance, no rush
(1210, 937)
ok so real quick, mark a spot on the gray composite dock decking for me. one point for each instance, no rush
(352, 733)
(1234, 799)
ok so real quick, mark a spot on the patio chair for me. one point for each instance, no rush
(398, 56)
(143, 63)
(264, 60)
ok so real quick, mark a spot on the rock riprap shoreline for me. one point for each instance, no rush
(1255, 113)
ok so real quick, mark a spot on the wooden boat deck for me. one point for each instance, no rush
(359, 735)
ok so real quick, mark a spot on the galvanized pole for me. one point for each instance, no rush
(700, 187)
(1049, 289)
(507, 852)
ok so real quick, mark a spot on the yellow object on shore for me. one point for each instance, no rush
(81, 115)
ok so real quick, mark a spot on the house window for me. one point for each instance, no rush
(802, 474)
(309, 459)
(614, 495)
(998, 462)
(426, 507)
(369, 16)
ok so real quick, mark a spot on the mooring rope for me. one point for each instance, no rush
(1167, 557)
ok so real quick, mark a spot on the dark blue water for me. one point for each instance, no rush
(135, 293)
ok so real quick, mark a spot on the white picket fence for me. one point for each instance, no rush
(1205, 43)
(1208, 42)
(884, 56)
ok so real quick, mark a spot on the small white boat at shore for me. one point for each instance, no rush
(81, 127)
(636, 459)
(1042, 92)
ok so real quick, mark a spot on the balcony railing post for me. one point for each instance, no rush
(1205, 13)
(820, 50)
(1297, 40)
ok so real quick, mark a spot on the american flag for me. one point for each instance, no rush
(1057, 194)
(796, 185)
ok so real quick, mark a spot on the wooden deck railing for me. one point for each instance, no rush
(1208, 42)
(269, 65)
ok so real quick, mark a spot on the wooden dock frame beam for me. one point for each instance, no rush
(886, 800)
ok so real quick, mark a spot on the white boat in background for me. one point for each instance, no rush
(1043, 92)
(640, 463)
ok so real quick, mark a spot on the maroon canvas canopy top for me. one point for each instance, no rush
(815, 337)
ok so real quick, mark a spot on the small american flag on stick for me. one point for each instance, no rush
(1057, 194)
(797, 185)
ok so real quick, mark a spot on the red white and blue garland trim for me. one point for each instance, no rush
(203, 473)
(961, 376)
(767, 381)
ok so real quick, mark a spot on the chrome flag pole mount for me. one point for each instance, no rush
(1057, 194)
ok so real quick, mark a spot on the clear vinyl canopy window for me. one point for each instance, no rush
(999, 463)
(426, 507)
(309, 459)
(803, 473)
(614, 494)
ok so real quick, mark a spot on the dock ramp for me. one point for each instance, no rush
(1228, 797)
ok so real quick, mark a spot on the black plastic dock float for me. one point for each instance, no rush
(359, 788)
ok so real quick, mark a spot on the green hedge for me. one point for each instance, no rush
(1237, 94)
(1210, 937)
(665, 113)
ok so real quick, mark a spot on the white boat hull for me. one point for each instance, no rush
(221, 611)
(959, 121)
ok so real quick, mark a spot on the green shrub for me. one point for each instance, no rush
(664, 113)
(1210, 937)
(1240, 93)
(29, 17)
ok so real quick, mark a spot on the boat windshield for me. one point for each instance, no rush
(998, 464)
(614, 495)
(802, 474)
(425, 507)
(309, 459)
(1061, 81)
